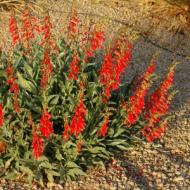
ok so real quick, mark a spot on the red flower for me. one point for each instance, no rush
(96, 40)
(46, 29)
(104, 127)
(78, 121)
(28, 33)
(84, 38)
(137, 101)
(74, 68)
(106, 70)
(3, 147)
(106, 74)
(152, 132)
(13, 29)
(35, 23)
(37, 145)
(159, 101)
(73, 23)
(14, 88)
(120, 66)
(66, 132)
(9, 71)
(79, 146)
(16, 105)
(112, 69)
(1, 115)
(157, 107)
(46, 69)
(46, 128)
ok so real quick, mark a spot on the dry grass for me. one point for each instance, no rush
(17, 5)
(178, 16)
(179, 2)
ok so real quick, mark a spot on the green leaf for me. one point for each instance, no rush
(116, 142)
(46, 165)
(49, 176)
(29, 173)
(96, 149)
(2, 73)
(11, 176)
(75, 171)
(8, 163)
(25, 84)
(119, 132)
(58, 155)
(90, 64)
(121, 147)
(71, 164)
(29, 70)
(54, 173)
(61, 55)
(26, 170)
(43, 158)
(32, 107)
(103, 156)
(53, 99)
(99, 163)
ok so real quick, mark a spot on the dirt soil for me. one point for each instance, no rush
(162, 28)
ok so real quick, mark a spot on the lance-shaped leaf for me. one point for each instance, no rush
(25, 84)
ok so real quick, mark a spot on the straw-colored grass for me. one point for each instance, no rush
(17, 5)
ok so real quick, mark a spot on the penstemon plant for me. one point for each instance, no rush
(62, 110)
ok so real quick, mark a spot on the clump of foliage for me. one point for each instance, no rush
(63, 109)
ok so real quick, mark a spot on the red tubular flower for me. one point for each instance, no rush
(74, 68)
(3, 147)
(159, 101)
(37, 145)
(13, 29)
(73, 23)
(152, 132)
(157, 107)
(106, 70)
(66, 132)
(112, 69)
(84, 38)
(121, 65)
(46, 69)
(14, 88)
(79, 146)
(46, 126)
(16, 105)
(96, 40)
(9, 71)
(28, 33)
(78, 121)
(1, 115)
(137, 101)
(12, 80)
(104, 127)
(106, 74)
(46, 29)
(35, 24)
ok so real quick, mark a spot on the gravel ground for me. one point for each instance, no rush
(164, 164)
